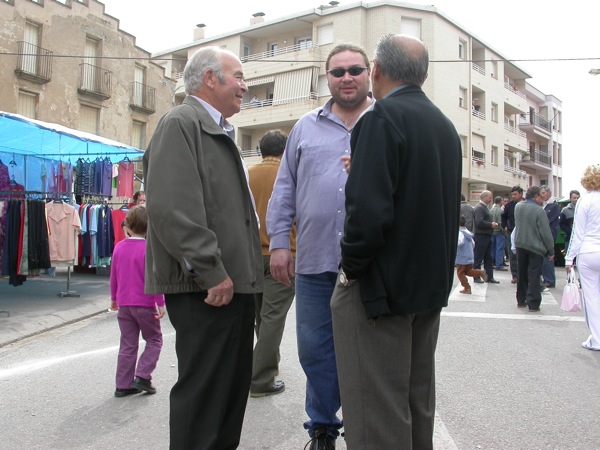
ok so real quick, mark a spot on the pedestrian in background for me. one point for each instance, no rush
(387, 303)
(508, 223)
(565, 220)
(274, 303)
(585, 246)
(483, 228)
(498, 237)
(464, 258)
(137, 312)
(533, 241)
(204, 251)
(553, 212)
(466, 210)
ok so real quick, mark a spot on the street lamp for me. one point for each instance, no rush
(594, 72)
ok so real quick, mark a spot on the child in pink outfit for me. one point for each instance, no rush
(137, 312)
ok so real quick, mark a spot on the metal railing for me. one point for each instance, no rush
(34, 61)
(541, 158)
(143, 97)
(515, 171)
(512, 129)
(478, 113)
(271, 102)
(542, 122)
(513, 89)
(478, 68)
(279, 51)
(95, 80)
(251, 152)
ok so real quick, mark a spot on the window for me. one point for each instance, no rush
(31, 37)
(323, 89)
(462, 49)
(494, 69)
(88, 119)
(138, 134)
(494, 155)
(304, 42)
(64, 2)
(494, 112)
(27, 104)
(138, 85)
(39, 2)
(411, 27)
(246, 142)
(272, 48)
(462, 97)
(325, 34)
(10, 2)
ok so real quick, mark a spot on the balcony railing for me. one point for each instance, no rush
(143, 98)
(512, 129)
(478, 113)
(95, 81)
(515, 171)
(539, 121)
(251, 152)
(279, 51)
(34, 63)
(540, 158)
(270, 102)
(513, 89)
(478, 68)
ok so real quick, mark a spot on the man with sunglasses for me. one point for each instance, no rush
(310, 189)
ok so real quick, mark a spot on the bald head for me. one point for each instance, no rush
(402, 59)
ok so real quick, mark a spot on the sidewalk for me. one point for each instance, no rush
(35, 306)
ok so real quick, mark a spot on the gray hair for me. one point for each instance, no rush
(205, 59)
(546, 188)
(484, 194)
(400, 60)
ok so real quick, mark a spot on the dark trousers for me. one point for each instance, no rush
(483, 253)
(214, 356)
(512, 258)
(528, 278)
(387, 374)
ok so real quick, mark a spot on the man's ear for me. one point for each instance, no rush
(209, 79)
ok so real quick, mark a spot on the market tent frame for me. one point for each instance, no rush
(30, 137)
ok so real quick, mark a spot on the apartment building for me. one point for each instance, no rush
(67, 62)
(500, 117)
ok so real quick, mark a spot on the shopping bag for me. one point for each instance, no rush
(571, 298)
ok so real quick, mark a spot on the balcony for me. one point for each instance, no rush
(34, 63)
(512, 129)
(478, 68)
(143, 98)
(536, 124)
(95, 81)
(513, 89)
(279, 51)
(516, 172)
(537, 159)
(477, 158)
(475, 111)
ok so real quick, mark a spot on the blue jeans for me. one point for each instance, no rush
(316, 352)
(498, 243)
(548, 271)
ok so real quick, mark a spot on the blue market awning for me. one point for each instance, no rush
(25, 136)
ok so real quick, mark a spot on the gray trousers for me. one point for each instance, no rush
(386, 371)
(272, 307)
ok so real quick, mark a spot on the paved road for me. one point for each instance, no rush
(507, 379)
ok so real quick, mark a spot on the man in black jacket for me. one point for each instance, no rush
(508, 223)
(396, 274)
(483, 229)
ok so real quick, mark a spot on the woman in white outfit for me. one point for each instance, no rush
(585, 245)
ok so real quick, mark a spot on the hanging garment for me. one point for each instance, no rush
(125, 184)
(64, 225)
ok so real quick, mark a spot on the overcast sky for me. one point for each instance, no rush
(527, 30)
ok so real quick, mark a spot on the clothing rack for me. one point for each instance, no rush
(68, 292)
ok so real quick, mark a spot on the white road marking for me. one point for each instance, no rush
(44, 363)
(478, 292)
(526, 315)
(441, 437)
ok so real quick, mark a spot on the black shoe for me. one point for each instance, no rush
(521, 305)
(277, 388)
(491, 280)
(143, 384)
(504, 269)
(550, 285)
(120, 392)
(534, 309)
(478, 281)
(320, 441)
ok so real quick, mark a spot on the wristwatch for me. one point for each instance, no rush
(344, 281)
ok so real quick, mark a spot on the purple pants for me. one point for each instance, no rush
(132, 321)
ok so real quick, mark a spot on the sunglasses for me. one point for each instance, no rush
(354, 71)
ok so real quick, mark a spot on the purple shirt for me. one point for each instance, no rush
(310, 187)
(127, 275)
